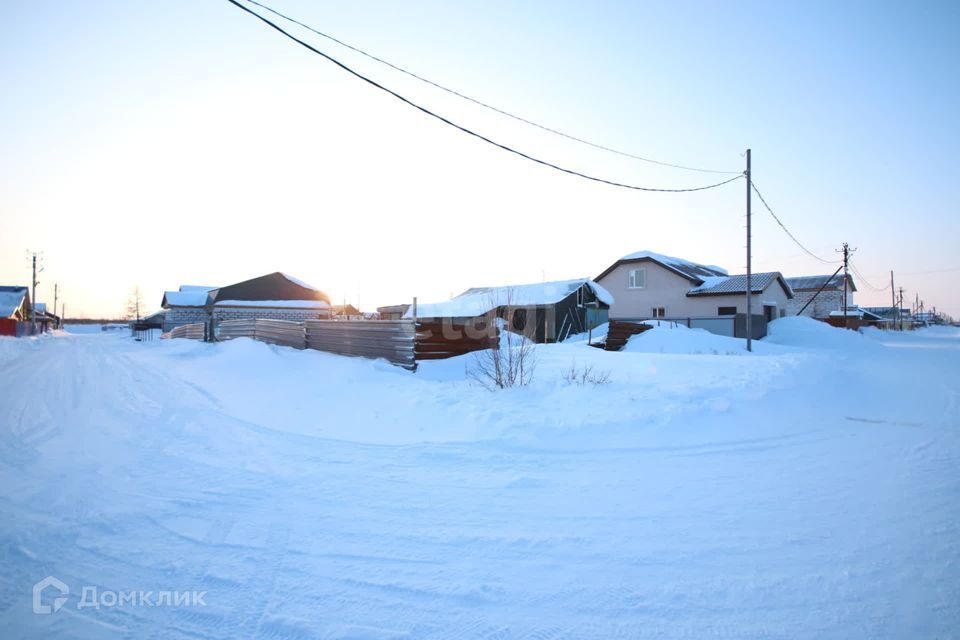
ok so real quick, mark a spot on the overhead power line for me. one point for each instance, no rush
(787, 231)
(867, 282)
(924, 273)
(469, 131)
(481, 103)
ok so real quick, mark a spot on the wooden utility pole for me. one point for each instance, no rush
(55, 287)
(899, 310)
(33, 296)
(749, 323)
(846, 250)
(893, 299)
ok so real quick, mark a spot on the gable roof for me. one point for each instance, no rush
(692, 271)
(11, 299)
(813, 283)
(272, 290)
(479, 300)
(271, 287)
(726, 285)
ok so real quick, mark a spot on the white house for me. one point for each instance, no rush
(647, 285)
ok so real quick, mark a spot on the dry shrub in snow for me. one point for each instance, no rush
(510, 365)
(513, 362)
(585, 375)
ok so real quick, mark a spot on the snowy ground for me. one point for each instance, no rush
(808, 490)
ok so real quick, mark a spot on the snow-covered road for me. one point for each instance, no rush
(796, 493)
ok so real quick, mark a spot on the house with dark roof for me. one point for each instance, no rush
(543, 311)
(276, 296)
(15, 311)
(825, 291)
(647, 285)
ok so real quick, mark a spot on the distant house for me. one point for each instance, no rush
(154, 320)
(890, 316)
(346, 311)
(829, 299)
(648, 285)
(392, 312)
(545, 312)
(46, 320)
(14, 311)
(276, 296)
(857, 317)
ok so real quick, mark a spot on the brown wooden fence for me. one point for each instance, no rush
(443, 339)
(389, 339)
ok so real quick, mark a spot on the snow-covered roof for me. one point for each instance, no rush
(689, 270)
(40, 307)
(479, 300)
(274, 304)
(813, 283)
(720, 285)
(195, 287)
(192, 298)
(852, 312)
(10, 300)
(299, 282)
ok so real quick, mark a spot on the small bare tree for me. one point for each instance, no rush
(512, 362)
(134, 304)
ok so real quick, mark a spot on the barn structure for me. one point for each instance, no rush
(276, 296)
(545, 312)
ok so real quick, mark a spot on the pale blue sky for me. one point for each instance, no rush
(185, 142)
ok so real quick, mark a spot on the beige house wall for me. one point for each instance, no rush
(665, 288)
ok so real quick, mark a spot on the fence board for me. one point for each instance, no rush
(440, 340)
(189, 331)
(392, 340)
(280, 332)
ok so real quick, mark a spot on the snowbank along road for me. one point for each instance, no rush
(810, 490)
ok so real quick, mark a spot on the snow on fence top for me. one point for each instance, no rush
(478, 301)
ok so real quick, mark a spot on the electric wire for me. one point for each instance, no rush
(865, 281)
(787, 231)
(469, 131)
(481, 103)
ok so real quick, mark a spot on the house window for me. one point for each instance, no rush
(726, 311)
(638, 278)
(659, 312)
